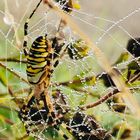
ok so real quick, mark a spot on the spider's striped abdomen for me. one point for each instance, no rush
(39, 60)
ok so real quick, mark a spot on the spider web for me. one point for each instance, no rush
(108, 24)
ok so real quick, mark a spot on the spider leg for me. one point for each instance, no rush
(128, 75)
(26, 30)
(49, 104)
(58, 43)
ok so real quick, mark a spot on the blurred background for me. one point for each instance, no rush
(109, 24)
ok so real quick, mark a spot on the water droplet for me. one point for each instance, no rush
(8, 19)
(111, 104)
(21, 52)
(83, 80)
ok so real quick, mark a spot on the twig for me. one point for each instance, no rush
(83, 91)
(8, 121)
(100, 101)
(11, 71)
(5, 107)
(13, 60)
(18, 102)
(133, 79)
(78, 81)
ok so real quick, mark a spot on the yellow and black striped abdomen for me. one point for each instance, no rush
(38, 60)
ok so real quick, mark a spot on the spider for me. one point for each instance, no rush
(42, 58)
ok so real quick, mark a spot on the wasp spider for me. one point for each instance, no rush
(42, 58)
